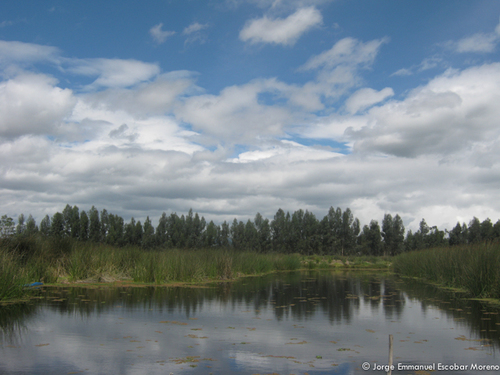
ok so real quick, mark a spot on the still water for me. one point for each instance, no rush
(287, 323)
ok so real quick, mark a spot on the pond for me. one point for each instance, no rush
(326, 322)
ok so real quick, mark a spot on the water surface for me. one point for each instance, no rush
(287, 323)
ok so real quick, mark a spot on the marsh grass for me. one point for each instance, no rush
(475, 268)
(30, 259)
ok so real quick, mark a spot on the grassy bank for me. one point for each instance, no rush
(474, 268)
(348, 261)
(30, 259)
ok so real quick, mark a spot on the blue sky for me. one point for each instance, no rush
(234, 107)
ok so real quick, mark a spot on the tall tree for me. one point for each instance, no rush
(94, 225)
(161, 230)
(21, 227)
(371, 239)
(393, 234)
(458, 235)
(474, 231)
(45, 226)
(7, 226)
(224, 234)
(31, 227)
(211, 235)
(148, 239)
(280, 231)
(84, 226)
(57, 225)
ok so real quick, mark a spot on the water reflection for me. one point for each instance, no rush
(314, 322)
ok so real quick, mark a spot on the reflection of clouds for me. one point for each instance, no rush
(130, 339)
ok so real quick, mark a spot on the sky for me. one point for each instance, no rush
(234, 107)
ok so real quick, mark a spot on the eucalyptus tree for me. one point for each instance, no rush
(45, 226)
(57, 225)
(474, 231)
(251, 237)
(129, 233)
(370, 239)
(330, 228)
(104, 224)
(115, 234)
(7, 226)
(75, 222)
(487, 230)
(237, 234)
(393, 234)
(348, 232)
(263, 233)
(280, 227)
(211, 235)
(224, 235)
(21, 227)
(31, 227)
(161, 230)
(148, 236)
(138, 233)
(94, 225)
(176, 231)
(84, 226)
(195, 238)
(310, 233)
(67, 216)
(458, 235)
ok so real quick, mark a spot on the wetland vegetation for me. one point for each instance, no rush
(74, 245)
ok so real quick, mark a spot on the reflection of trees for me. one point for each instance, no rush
(338, 295)
(13, 320)
(481, 319)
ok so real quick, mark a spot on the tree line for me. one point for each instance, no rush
(338, 232)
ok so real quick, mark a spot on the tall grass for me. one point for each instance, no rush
(30, 259)
(475, 268)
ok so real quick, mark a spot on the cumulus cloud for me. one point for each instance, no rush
(284, 31)
(236, 115)
(147, 98)
(159, 35)
(32, 104)
(448, 115)
(134, 146)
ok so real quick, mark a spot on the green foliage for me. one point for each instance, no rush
(472, 267)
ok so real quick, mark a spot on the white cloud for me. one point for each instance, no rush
(159, 35)
(147, 98)
(19, 52)
(114, 72)
(338, 68)
(365, 98)
(480, 42)
(284, 31)
(285, 152)
(32, 104)
(348, 51)
(193, 28)
(448, 115)
(236, 115)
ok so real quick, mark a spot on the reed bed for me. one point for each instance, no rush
(475, 268)
(30, 259)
